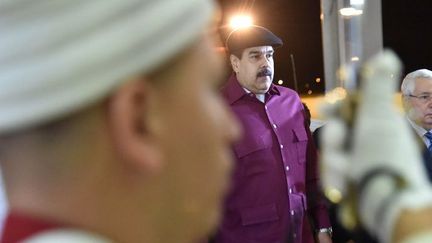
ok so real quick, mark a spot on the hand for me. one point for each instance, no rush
(324, 238)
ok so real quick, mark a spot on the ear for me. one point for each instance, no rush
(127, 111)
(235, 63)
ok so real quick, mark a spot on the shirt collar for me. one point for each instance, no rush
(274, 90)
(233, 91)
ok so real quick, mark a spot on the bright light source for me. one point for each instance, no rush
(241, 21)
(280, 82)
(349, 12)
(318, 80)
(355, 59)
(309, 92)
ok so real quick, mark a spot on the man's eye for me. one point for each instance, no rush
(269, 55)
(425, 97)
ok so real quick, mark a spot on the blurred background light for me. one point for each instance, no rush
(355, 59)
(349, 12)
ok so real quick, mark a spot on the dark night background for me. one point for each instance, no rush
(406, 30)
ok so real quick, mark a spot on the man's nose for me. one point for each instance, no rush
(265, 62)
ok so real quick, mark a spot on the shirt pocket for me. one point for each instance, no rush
(300, 141)
(255, 156)
(259, 214)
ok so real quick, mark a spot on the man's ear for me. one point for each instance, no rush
(235, 62)
(126, 112)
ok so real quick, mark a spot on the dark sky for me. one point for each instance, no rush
(406, 29)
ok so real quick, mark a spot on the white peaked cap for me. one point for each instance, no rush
(59, 56)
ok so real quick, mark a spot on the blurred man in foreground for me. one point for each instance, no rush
(94, 142)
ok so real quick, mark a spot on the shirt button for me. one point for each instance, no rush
(287, 168)
(281, 146)
(251, 95)
(294, 235)
(265, 107)
(290, 190)
(274, 125)
(292, 212)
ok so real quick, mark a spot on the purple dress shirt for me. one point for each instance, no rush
(274, 196)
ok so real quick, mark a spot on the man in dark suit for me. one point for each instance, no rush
(416, 91)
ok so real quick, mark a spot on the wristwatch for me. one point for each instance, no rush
(328, 230)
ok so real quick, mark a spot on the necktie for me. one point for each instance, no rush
(428, 135)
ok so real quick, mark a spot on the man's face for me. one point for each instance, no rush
(255, 68)
(420, 103)
(195, 130)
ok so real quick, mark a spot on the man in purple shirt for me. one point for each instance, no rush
(275, 196)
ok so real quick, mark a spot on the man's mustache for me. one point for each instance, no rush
(264, 72)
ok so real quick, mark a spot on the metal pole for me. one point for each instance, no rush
(294, 73)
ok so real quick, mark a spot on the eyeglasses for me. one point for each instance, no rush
(423, 98)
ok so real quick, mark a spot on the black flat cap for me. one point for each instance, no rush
(251, 36)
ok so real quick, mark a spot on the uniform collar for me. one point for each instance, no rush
(19, 227)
